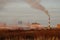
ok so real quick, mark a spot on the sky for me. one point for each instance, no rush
(13, 11)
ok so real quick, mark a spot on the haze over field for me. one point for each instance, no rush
(19, 10)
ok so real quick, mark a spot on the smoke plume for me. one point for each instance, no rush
(36, 4)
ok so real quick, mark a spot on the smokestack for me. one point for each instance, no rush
(36, 4)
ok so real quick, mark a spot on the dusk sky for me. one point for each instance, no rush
(18, 10)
